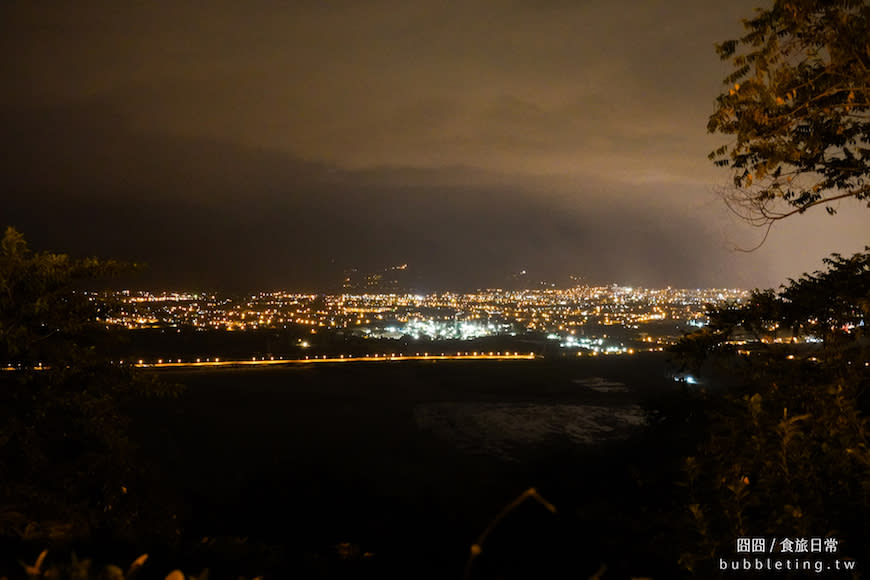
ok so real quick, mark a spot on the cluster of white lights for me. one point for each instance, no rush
(439, 330)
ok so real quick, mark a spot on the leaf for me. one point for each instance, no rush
(36, 568)
(136, 565)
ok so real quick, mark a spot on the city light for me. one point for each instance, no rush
(577, 318)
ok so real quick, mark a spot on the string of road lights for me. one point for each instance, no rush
(343, 358)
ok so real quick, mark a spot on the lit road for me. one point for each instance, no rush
(338, 359)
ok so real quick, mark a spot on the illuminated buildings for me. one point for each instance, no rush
(584, 317)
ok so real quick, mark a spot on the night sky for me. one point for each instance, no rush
(271, 145)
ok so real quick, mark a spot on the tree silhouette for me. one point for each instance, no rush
(787, 447)
(68, 465)
(798, 106)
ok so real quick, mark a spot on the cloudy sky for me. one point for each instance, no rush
(263, 145)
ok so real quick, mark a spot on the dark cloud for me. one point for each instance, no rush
(275, 144)
(205, 213)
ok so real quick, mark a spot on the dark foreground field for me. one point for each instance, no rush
(409, 462)
(393, 469)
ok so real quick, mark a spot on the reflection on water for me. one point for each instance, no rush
(601, 385)
(502, 429)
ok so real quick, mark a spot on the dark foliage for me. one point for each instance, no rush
(786, 451)
(798, 105)
(69, 468)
